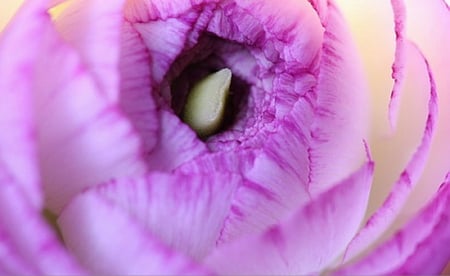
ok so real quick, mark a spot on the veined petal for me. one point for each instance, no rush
(84, 139)
(340, 107)
(122, 246)
(93, 29)
(306, 242)
(185, 211)
(399, 66)
(386, 214)
(33, 247)
(136, 98)
(11, 263)
(428, 29)
(276, 179)
(177, 144)
(18, 153)
(421, 247)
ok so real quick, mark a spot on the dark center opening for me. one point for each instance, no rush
(206, 58)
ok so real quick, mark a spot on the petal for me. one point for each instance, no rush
(17, 130)
(136, 98)
(387, 213)
(177, 144)
(94, 228)
(428, 28)
(32, 246)
(399, 66)
(340, 107)
(11, 263)
(421, 247)
(93, 29)
(276, 177)
(306, 242)
(77, 126)
(185, 211)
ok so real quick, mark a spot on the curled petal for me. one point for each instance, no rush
(18, 153)
(428, 28)
(421, 247)
(31, 247)
(386, 214)
(122, 246)
(306, 242)
(177, 144)
(399, 66)
(77, 126)
(340, 107)
(135, 96)
(186, 211)
(93, 29)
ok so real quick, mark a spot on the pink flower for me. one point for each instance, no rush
(92, 132)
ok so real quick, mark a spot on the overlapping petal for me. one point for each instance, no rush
(135, 97)
(391, 207)
(186, 211)
(77, 127)
(340, 107)
(399, 65)
(18, 154)
(93, 29)
(28, 245)
(177, 144)
(107, 240)
(421, 247)
(306, 242)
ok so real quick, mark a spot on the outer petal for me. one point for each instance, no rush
(340, 107)
(384, 216)
(421, 247)
(77, 125)
(186, 211)
(17, 130)
(31, 247)
(108, 241)
(276, 177)
(399, 66)
(428, 28)
(93, 29)
(308, 241)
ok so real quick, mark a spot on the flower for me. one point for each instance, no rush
(92, 132)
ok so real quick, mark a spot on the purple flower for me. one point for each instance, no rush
(96, 132)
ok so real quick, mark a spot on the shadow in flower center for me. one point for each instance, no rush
(202, 66)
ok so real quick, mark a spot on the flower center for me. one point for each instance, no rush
(207, 91)
(206, 102)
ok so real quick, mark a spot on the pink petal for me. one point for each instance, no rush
(386, 214)
(93, 29)
(306, 242)
(77, 126)
(136, 98)
(30, 245)
(177, 144)
(276, 177)
(185, 211)
(421, 247)
(108, 241)
(340, 107)
(17, 130)
(11, 263)
(399, 66)
(428, 28)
